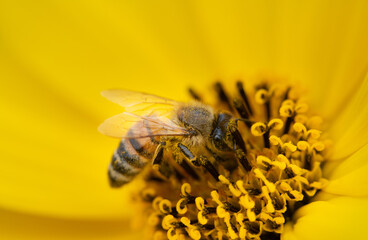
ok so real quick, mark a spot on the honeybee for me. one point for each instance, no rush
(150, 125)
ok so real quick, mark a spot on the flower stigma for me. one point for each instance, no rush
(251, 193)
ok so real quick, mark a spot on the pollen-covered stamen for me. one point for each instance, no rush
(189, 169)
(263, 96)
(223, 96)
(251, 191)
(241, 109)
(244, 97)
(263, 129)
(195, 95)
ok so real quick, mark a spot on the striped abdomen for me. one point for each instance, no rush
(131, 157)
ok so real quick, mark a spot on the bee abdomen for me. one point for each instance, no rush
(125, 164)
(127, 152)
(116, 178)
(122, 166)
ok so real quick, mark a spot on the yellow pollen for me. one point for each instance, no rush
(221, 212)
(181, 207)
(258, 129)
(186, 189)
(271, 187)
(271, 166)
(165, 206)
(275, 124)
(199, 203)
(261, 96)
(202, 219)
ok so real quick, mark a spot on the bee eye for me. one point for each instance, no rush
(217, 141)
(217, 138)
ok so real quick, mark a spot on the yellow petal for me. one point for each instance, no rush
(288, 233)
(53, 161)
(347, 66)
(350, 129)
(57, 56)
(350, 177)
(22, 226)
(339, 218)
(80, 49)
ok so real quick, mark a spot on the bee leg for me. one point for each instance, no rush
(163, 167)
(239, 147)
(237, 140)
(199, 161)
(159, 152)
(188, 154)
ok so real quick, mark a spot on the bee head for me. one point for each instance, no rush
(219, 134)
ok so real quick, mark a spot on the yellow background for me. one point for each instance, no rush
(57, 56)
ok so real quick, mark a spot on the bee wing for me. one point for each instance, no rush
(128, 125)
(149, 114)
(141, 104)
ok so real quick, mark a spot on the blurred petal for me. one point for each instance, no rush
(53, 160)
(289, 234)
(350, 178)
(350, 129)
(155, 46)
(22, 226)
(339, 69)
(339, 218)
(57, 56)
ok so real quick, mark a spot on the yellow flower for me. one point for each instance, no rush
(55, 58)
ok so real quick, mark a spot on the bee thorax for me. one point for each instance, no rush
(197, 116)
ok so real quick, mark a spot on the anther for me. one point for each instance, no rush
(288, 123)
(258, 129)
(181, 206)
(242, 158)
(230, 207)
(209, 210)
(208, 227)
(266, 139)
(286, 95)
(167, 221)
(148, 194)
(308, 161)
(189, 169)
(186, 189)
(190, 199)
(242, 93)
(223, 96)
(268, 110)
(240, 108)
(253, 227)
(165, 206)
(263, 96)
(194, 95)
(178, 174)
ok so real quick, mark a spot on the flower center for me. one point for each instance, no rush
(251, 193)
